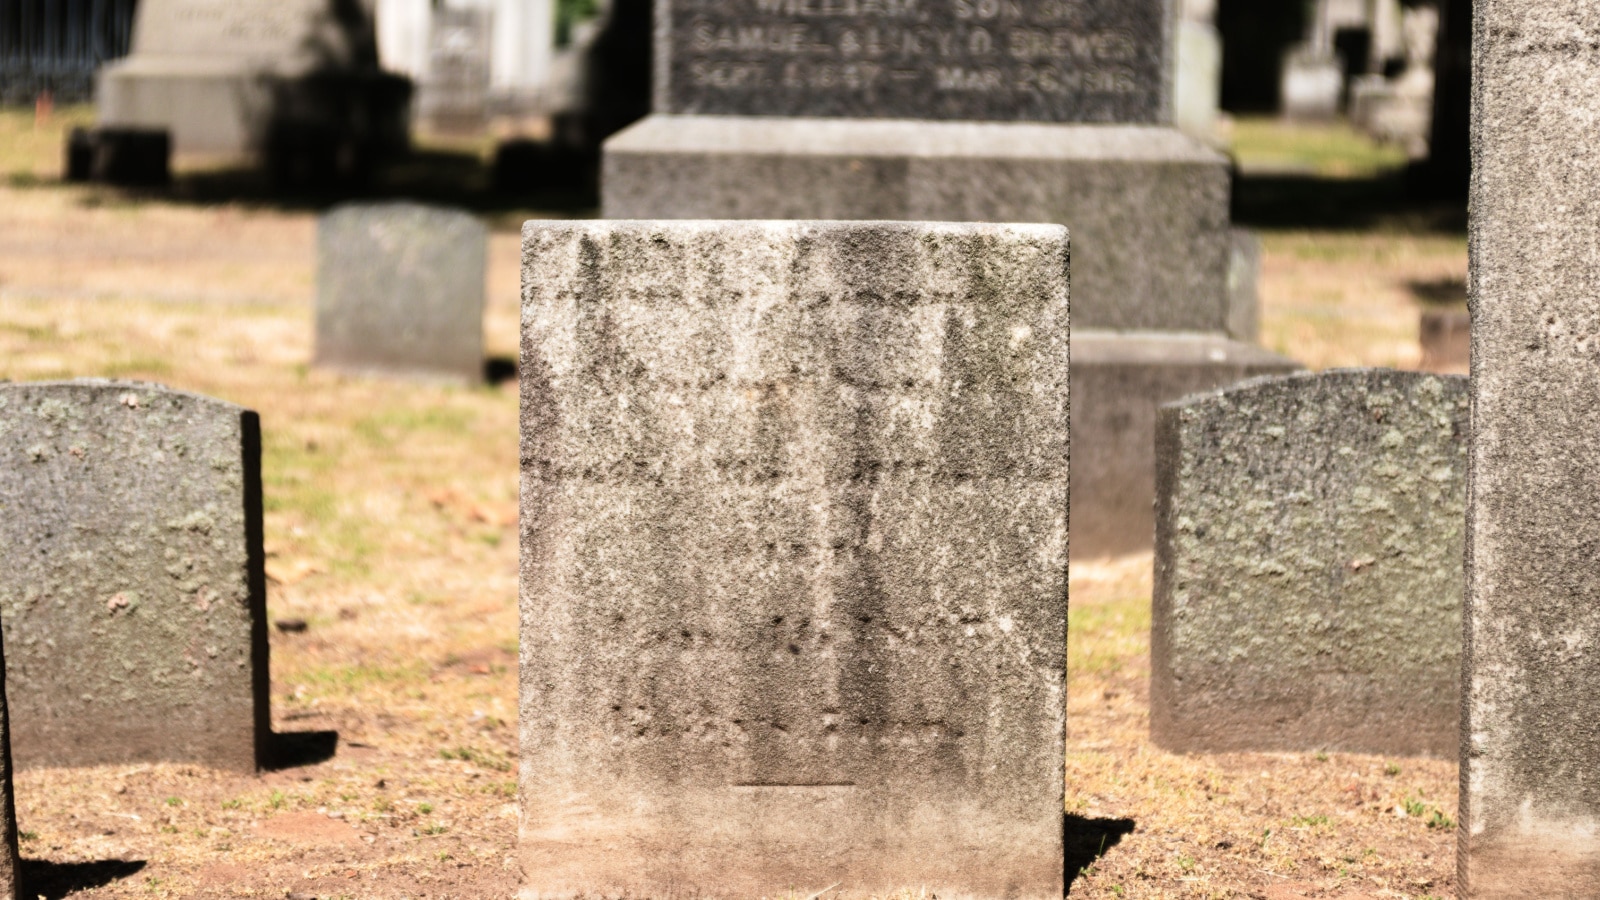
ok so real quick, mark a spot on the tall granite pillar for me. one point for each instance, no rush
(968, 111)
(794, 559)
(1530, 745)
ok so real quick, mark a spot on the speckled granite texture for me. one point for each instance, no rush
(1308, 571)
(1530, 755)
(794, 549)
(133, 596)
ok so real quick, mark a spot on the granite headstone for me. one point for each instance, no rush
(134, 596)
(1308, 569)
(994, 60)
(1530, 750)
(400, 291)
(794, 550)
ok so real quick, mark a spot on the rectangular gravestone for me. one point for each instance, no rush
(400, 291)
(134, 598)
(794, 558)
(1308, 565)
(1530, 748)
(961, 111)
(455, 94)
(991, 60)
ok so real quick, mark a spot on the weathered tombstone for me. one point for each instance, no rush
(134, 598)
(234, 77)
(400, 291)
(455, 95)
(794, 558)
(1025, 111)
(1308, 565)
(1530, 751)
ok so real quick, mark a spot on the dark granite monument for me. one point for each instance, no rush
(964, 111)
(400, 291)
(134, 594)
(1308, 571)
(984, 60)
(794, 559)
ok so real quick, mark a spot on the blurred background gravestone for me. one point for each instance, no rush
(1308, 569)
(400, 291)
(794, 558)
(454, 97)
(134, 599)
(294, 83)
(1019, 112)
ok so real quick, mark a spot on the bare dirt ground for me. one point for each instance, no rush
(390, 524)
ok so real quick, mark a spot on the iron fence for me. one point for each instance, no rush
(57, 45)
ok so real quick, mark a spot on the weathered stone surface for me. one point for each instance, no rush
(400, 291)
(794, 551)
(1119, 382)
(1308, 571)
(134, 599)
(1037, 60)
(1530, 751)
(1148, 207)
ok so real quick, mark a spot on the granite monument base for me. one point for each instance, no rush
(1131, 195)
(1119, 381)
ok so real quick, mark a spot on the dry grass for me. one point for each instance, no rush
(390, 520)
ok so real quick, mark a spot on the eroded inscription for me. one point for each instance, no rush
(1038, 60)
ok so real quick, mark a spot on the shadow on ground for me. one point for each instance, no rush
(1395, 200)
(459, 179)
(1086, 840)
(500, 369)
(53, 880)
(291, 749)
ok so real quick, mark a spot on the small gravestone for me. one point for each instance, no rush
(455, 94)
(400, 291)
(794, 558)
(1309, 565)
(133, 599)
(1530, 748)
